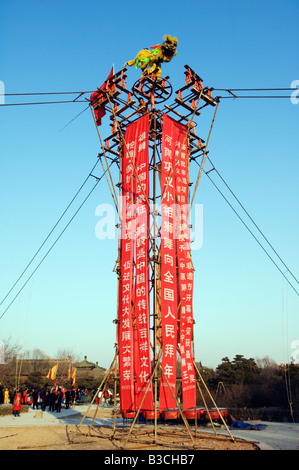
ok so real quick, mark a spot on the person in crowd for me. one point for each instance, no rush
(73, 398)
(25, 397)
(52, 400)
(42, 393)
(1, 394)
(6, 396)
(17, 403)
(67, 399)
(11, 396)
(59, 401)
(45, 400)
(35, 399)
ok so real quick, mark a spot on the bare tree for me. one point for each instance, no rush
(67, 354)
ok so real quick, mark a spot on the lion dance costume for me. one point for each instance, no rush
(150, 60)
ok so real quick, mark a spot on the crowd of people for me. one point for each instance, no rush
(41, 398)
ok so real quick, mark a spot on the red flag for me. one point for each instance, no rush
(53, 372)
(74, 377)
(96, 98)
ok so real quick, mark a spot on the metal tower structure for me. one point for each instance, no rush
(151, 98)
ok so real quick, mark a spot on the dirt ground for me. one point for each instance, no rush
(70, 437)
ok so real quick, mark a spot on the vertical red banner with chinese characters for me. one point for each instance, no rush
(185, 276)
(125, 303)
(142, 355)
(176, 266)
(169, 300)
(134, 328)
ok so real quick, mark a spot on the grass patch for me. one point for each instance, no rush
(6, 410)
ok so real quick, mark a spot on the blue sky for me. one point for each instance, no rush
(240, 297)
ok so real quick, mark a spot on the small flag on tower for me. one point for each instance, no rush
(99, 110)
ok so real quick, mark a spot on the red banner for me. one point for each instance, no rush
(125, 313)
(176, 267)
(142, 356)
(133, 336)
(185, 273)
(169, 302)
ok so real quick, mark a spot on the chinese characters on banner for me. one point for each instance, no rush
(176, 270)
(185, 277)
(125, 312)
(169, 300)
(142, 356)
(176, 267)
(133, 315)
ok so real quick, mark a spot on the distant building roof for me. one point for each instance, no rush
(85, 364)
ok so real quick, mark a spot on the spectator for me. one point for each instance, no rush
(25, 397)
(35, 399)
(45, 400)
(1, 394)
(67, 399)
(52, 400)
(17, 404)
(58, 401)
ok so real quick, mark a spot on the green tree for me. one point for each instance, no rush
(238, 371)
(225, 372)
(246, 370)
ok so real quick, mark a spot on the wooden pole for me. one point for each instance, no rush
(213, 401)
(103, 381)
(206, 407)
(100, 400)
(178, 405)
(155, 278)
(141, 403)
(118, 281)
(113, 193)
(204, 157)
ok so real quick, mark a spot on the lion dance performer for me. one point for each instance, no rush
(150, 60)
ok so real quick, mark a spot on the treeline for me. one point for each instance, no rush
(29, 369)
(239, 383)
(254, 384)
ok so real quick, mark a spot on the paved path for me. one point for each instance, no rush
(72, 416)
(276, 436)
